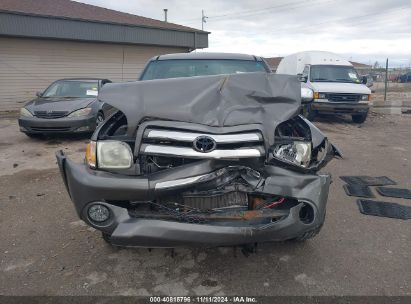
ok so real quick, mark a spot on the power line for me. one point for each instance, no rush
(354, 18)
(311, 25)
(263, 10)
(267, 9)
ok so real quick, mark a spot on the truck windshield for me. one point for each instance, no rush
(333, 73)
(72, 88)
(174, 68)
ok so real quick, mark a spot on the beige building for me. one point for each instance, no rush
(45, 40)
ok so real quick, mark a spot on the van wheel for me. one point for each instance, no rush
(359, 118)
(308, 112)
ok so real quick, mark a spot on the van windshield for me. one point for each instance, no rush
(333, 73)
(174, 68)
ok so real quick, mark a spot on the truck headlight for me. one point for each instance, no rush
(365, 97)
(91, 157)
(112, 154)
(318, 95)
(81, 112)
(296, 153)
(26, 113)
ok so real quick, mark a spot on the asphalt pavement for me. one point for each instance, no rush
(46, 250)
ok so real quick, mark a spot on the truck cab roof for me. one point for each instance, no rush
(206, 55)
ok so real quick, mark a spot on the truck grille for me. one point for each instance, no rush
(50, 114)
(343, 97)
(50, 129)
(194, 145)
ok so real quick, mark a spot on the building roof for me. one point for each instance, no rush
(70, 20)
(273, 62)
(81, 11)
(359, 65)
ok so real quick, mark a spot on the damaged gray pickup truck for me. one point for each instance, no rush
(215, 160)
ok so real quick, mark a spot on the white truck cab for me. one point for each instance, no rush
(336, 84)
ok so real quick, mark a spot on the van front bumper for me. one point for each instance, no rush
(325, 107)
(87, 187)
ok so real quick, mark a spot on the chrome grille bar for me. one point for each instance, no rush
(191, 136)
(163, 150)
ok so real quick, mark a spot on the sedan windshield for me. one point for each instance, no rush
(72, 88)
(333, 73)
(161, 69)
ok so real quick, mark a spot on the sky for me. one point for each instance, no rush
(360, 30)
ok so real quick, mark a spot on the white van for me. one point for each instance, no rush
(336, 84)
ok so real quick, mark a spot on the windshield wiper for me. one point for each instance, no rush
(323, 79)
(345, 80)
(60, 97)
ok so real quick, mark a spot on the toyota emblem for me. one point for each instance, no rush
(204, 144)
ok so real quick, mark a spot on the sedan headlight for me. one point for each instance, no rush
(81, 112)
(296, 153)
(112, 154)
(26, 113)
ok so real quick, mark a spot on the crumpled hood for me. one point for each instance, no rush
(218, 101)
(340, 87)
(58, 104)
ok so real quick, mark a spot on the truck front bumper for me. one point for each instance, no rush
(327, 107)
(87, 187)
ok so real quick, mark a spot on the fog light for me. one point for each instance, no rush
(82, 129)
(306, 214)
(98, 213)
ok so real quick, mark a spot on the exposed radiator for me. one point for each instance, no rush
(216, 201)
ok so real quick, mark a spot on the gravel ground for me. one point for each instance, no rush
(46, 250)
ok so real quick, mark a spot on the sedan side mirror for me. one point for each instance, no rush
(39, 94)
(307, 95)
(364, 80)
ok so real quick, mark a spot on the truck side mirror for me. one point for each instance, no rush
(302, 78)
(364, 80)
(307, 95)
(39, 94)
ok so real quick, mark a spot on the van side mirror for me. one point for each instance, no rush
(307, 95)
(39, 94)
(364, 80)
(302, 78)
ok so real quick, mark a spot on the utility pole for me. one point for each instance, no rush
(203, 19)
(165, 14)
(386, 80)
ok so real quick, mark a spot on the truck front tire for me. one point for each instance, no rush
(308, 112)
(359, 118)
